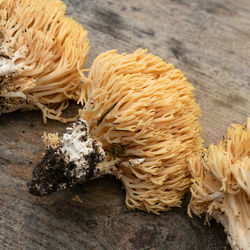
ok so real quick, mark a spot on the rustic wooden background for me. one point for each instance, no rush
(210, 42)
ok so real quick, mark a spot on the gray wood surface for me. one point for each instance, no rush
(210, 42)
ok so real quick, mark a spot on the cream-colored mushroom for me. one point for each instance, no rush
(42, 53)
(221, 184)
(141, 111)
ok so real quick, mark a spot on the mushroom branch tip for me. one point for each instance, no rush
(143, 113)
(221, 184)
(42, 54)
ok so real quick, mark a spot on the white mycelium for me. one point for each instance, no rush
(9, 65)
(77, 146)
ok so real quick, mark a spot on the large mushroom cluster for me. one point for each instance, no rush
(42, 53)
(141, 107)
(143, 112)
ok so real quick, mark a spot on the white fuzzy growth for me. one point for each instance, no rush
(10, 66)
(76, 145)
(7, 67)
(73, 147)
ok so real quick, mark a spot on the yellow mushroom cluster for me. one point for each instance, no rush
(221, 184)
(143, 111)
(140, 121)
(42, 53)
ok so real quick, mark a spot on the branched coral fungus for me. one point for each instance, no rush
(143, 112)
(221, 185)
(42, 53)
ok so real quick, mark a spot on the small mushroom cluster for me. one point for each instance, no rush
(221, 184)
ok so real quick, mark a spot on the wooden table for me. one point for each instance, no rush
(210, 42)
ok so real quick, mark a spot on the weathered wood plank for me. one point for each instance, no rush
(209, 41)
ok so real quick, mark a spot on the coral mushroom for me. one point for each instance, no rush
(221, 184)
(143, 112)
(42, 53)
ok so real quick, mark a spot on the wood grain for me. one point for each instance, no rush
(209, 41)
